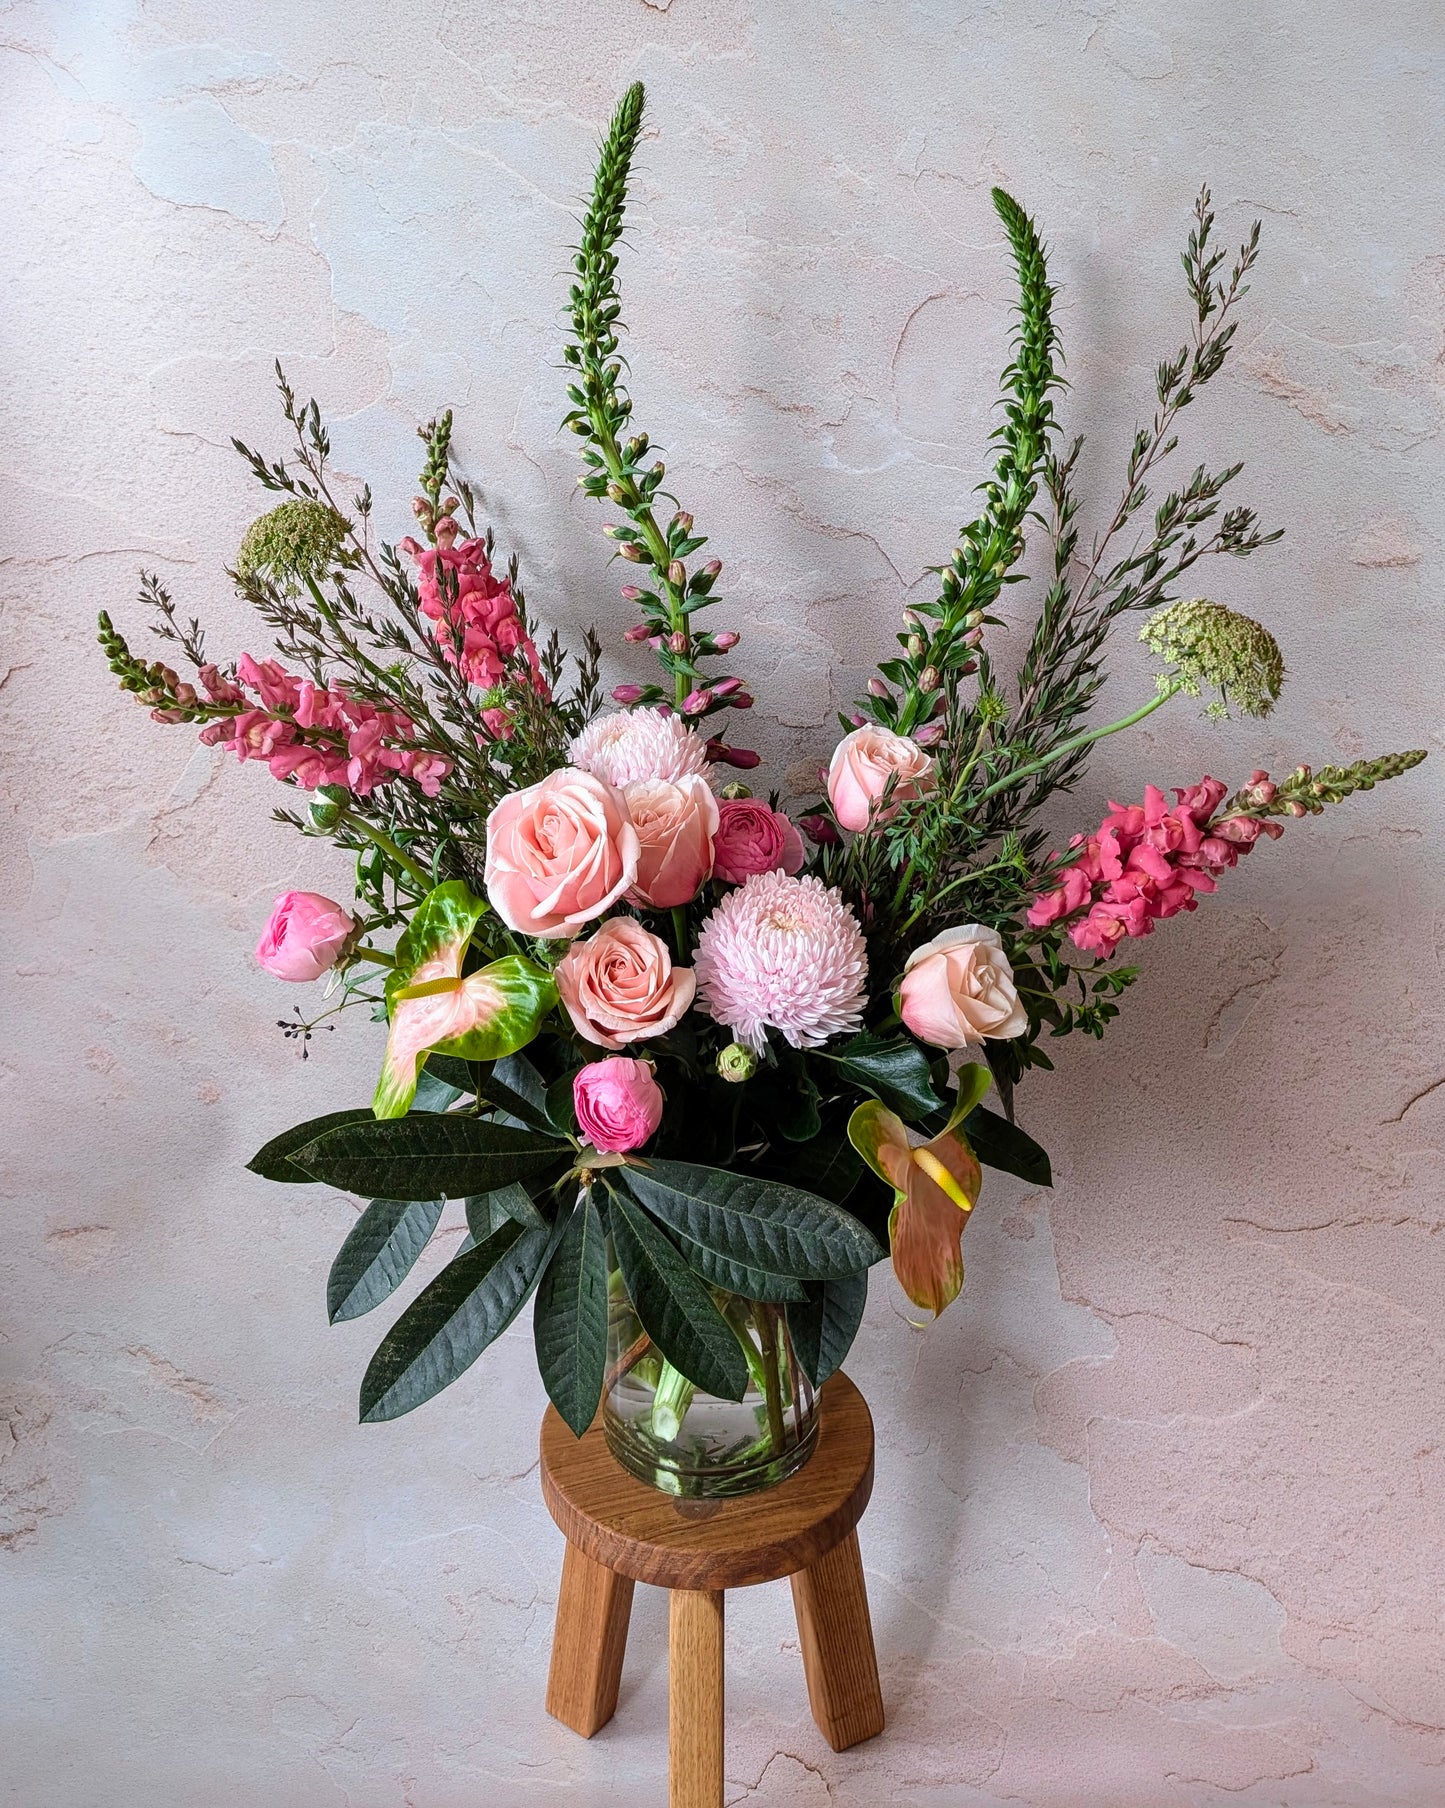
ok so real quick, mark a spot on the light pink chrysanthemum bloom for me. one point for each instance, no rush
(638, 744)
(786, 953)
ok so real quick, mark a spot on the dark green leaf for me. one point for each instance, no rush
(487, 1212)
(793, 1099)
(894, 1069)
(272, 1161)
(530, 1114)
(425, 1157)
(758, 1224)
(675, 1307)
(999, 1144)
(378, 1254)
(452, 1071)
(828, 1165)
(434, 1093)
(569, 1320)
(824, 1325)
(561, 1111)
(448, 1325)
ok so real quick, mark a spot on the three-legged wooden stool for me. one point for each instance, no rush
(620, 1531)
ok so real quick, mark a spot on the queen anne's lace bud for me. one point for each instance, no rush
(291, 543)
(1208, 644)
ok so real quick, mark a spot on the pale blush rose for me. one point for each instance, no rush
(675, 824)
(959, 988)
(618, 1103)
(753, 838)
(559, 853)
(304, 936)
(862, 764)
(621, 986)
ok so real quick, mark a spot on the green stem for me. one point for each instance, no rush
(932, 901)
(1065, 748)
(388, 847)
(378, 955)
(767, 1317)
(679, 930)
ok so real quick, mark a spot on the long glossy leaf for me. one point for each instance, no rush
(999, 1144)
(676, 1309)
(758, 1223)
(425, 1157)
(894, 1069)
(272, 1161)
(378, 1254)
(448, 1325)
(569, 1319)
(823, 1325)
(828, 1166)
(487, 1212)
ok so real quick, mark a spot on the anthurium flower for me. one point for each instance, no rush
(935, 1186)
(488, 1014)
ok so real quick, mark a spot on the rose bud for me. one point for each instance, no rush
(618, 1103)
(305, 937)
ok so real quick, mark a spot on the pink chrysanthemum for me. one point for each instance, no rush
(786, 953)
(637, 744)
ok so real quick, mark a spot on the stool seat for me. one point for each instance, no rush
(620, 1531)
(640, 1532)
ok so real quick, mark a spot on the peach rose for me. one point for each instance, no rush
(559, 853)
(862, 764)
(621, 986)
(675, 824)
(959, 988)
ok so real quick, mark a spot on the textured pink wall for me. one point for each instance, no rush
(1159, 1516)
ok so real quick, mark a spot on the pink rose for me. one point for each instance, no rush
(621, 986)
(862, 764)
(304, 937)
(559, 853)
(675, 824)
(618, 1103)
(752, 838)
(959, 988)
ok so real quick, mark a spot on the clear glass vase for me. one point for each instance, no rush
(686, 1442)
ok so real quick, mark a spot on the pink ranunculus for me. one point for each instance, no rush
(618, 1103)
(559, 853)
(862, 765)
(959, 989)
(304, 937)
(621, 986)
(752, 838)
(676, 822)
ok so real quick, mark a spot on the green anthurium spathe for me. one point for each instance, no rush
(482, 1017)
(935, 1185)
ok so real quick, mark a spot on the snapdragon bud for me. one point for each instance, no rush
(928, 678)
(627, 693)
(877, 688)
(677, 574)
(640, 632)
(677, 643)
(724, 643)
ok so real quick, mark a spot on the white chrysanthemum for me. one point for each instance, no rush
(786, 953)
(637, 744)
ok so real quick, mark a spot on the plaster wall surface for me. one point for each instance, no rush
(1159, 1517)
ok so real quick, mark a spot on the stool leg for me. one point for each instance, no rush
(695, 1698)
(593, 1607)
(831, 1602)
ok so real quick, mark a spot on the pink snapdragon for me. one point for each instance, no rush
(1146, 861)
(476, 623)
(314, 735)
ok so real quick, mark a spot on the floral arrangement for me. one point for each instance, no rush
(675, 1047)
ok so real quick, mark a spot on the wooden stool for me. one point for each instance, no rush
(620, 1531)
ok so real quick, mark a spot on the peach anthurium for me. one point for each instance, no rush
(935, 1185)
(433, 1009)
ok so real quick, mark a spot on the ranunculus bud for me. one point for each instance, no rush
(305, 936)
(327, 807)
(736, 789)
(618, 1103)
(737, 1063)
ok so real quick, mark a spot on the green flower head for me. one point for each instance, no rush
(291, 543)
(1208, 644)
